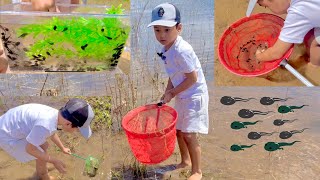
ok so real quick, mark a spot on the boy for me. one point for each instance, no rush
(24, 131)
(302, 17)
(186, 83)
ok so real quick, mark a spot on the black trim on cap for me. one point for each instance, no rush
(178, 17)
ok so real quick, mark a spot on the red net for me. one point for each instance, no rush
(240, 41)
(151, 132)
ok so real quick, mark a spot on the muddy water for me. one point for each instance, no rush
(227, 12)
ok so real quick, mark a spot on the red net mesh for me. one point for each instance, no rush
(151, 132)
(240, 41)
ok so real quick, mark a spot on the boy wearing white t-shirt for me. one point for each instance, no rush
(302, 17)
(186, 83)
(24, 131)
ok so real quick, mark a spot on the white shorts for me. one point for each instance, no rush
(17, 149)
(317, 34)
(193, 115)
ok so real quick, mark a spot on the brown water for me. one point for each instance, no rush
(229, 11)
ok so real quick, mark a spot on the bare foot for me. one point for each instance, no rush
(195, 176)
(183, 165)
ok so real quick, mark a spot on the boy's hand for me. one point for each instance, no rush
(59, 165)
(167, 97)
(66, 150)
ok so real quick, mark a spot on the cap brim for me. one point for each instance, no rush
(85, 132)
(251, 6)
(163, 23)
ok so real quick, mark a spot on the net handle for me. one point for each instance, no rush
(286, 65)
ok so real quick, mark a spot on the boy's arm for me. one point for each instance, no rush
(169, 85)
(191, 78)
(273, 53)
(55, 139)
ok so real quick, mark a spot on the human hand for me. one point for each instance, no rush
(59, 165)
(66, 150)
(167, 97)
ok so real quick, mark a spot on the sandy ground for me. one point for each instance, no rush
(219, 162)
(229, 11)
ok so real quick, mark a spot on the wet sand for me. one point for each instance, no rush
(229, 11)
(219, 162)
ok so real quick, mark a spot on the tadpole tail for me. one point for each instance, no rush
(243, 100)
(298, 131)
(267, 134)
(287, 144)
(290, 121)
(245, 146)
(297, 107)
(262, 113)
(281, 99)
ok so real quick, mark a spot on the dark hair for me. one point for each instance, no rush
(72, 124)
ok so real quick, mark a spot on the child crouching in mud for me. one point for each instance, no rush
(25, 129)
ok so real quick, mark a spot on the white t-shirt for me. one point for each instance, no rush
(33, 122)
(302, 17)
(181, 59)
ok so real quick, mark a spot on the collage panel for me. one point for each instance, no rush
(147, 147)
(74, 37)
(90, 155)
(265, 133)
(241, 37)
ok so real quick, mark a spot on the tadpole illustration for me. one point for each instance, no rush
(288, 134)
(247, 113)
(280, 122)
(228, 100)
(285, 109)
(238, 147)
(258, 135)
(273, 146)
(240, 125)
(271, 100)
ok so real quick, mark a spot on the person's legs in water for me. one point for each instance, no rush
(195, 155)
(185, 157)
(41, 166)
(4, 64)
(312, 42)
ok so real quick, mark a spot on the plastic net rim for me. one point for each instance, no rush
(135, 111)
(232, 27)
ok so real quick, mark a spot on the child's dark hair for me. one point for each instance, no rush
(177, 24)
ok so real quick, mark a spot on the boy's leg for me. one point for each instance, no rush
(315, 48)
(41, 166)
(195, 154)
(312, 42)
(4, 64)
(185, 157)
